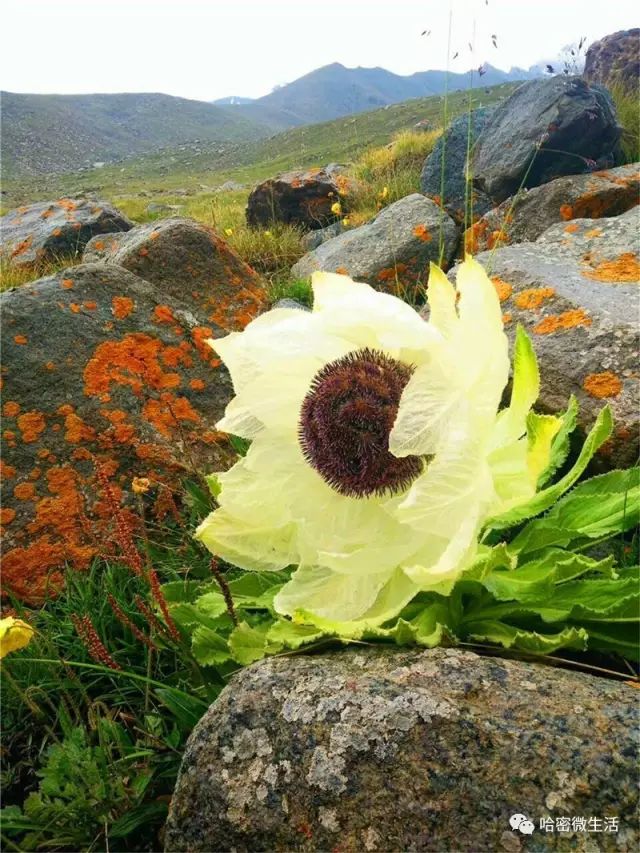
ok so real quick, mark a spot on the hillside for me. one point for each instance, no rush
(194, 168)
(334, 91)
(62, 133)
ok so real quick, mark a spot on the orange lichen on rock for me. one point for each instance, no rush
(506, 318)
(503, 288)
(534, 297)
(602, 385)
(90, 306)
(593, 232)
(163, 314)
(24, 491)
(132, 361)
(6, 471)
(10, 409)
(66, 204)
(31, 424)
(77, 431)
(7, 515)
(66, 283)
(22, 247)
(624, 268)
(566, 212)
(98, 245)
(562, 322)
(342, 271)
(422, 233)
(121, 307)
(56, 537)
(572, 227)
(167, 413)
(21, 340)
(197, 384)
(174, 356)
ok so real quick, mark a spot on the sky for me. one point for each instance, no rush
(207, 49)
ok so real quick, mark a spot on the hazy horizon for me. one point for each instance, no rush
(208, 49)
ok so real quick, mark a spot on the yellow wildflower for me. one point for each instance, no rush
(267, 233)
(346, 221)
(140, 485)
(228, 231)
(384, 193)
(336, 208)
(14, 634)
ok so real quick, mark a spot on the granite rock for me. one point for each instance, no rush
(406, 750)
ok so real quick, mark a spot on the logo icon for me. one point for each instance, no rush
(521, 822)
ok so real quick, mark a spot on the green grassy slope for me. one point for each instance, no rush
(313, 145)
(62, 133)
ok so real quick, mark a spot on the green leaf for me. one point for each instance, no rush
(208, 647)
(249, 644)
(599, 433)
(541, 430)
(186, 709)
(211, 604)
(142, 815)
(240, 445)
(528, 641)
(561, 442)
(178, 591)
(293, 635)
(213, 483)
(623, 639)
(596, 509)
(537, 580)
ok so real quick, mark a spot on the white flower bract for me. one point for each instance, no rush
(361, 558)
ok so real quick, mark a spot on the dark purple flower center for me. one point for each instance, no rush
(345, 422)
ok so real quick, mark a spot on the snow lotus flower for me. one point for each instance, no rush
(378, 447)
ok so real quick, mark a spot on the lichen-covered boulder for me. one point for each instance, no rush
(589, 196)
(615, 59)
(189, 262)
(576, 291)
(456, 142)
(295, 198)
(545, 129)
(390, 252)
(101, 369)
(389, 750)
(50, 229)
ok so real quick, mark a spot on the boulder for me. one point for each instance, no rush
(408, 750)
(295, 198)
(189, 262)
(102, 369)
(454, 145)
(50, 229)
(525, 216)
(544, 130)
(393, 249)
(312, 239)
(615, 59)
(577, 295)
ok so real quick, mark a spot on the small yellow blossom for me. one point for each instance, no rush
(267, 233)
(140, 485)
(228, 231)
(384, 193)
(336, 208)
(14, 634)
(346, 221)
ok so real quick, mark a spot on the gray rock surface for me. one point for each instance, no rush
(577, 295)
(313, 239)
(187, 261)
(615, 59)
(99, 368)
(51, 229)
(406, 750)
(295, 198)
(394, 248)
(593, 195)
(563, 121)
(455, 143)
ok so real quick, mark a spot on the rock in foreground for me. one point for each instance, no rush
(576, 291)
(545, 129)
(590, 196)
(387, 750)
(50, 229)
(393, 249)
(295, 198)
